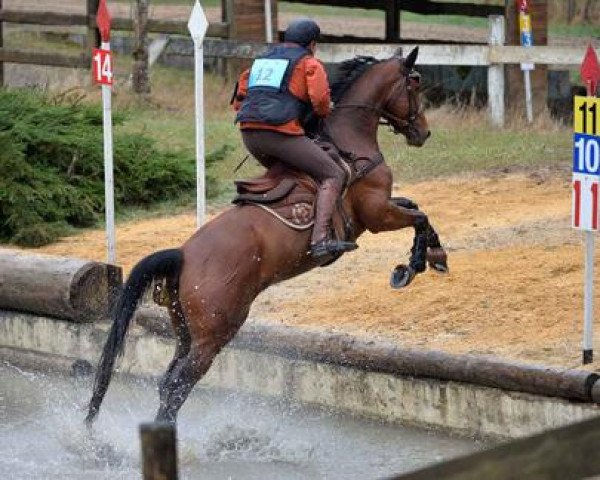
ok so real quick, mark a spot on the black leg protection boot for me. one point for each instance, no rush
(322, 244)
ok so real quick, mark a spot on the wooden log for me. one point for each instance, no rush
(159, 451)
(12, 55)
(385, 357)
(567, 452)
(62, 287)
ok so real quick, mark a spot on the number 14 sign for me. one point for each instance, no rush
(586, 163)
(102, 66)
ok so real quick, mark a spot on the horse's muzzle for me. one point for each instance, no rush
(416, 139)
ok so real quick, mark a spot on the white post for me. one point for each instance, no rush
(200, 165)
(588, 299)
(268, 22)
(496, 73)
(528, 99)
(109, 198)
(197, 26)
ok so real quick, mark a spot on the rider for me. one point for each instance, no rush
(272, 98)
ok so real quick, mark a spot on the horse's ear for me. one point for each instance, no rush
(398, 52)
(410, 61)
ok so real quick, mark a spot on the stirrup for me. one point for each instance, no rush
(331, 247)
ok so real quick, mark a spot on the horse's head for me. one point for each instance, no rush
(402, 107)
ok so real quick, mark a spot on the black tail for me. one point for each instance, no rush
(165, 263)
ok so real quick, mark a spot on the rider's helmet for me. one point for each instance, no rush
(302, 31)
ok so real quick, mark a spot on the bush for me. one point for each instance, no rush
(51, 159)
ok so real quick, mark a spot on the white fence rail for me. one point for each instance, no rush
(494, 56)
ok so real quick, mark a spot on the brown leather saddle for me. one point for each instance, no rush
(290, 195)
(287, 194)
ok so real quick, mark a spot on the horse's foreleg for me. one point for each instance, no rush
(437, 258)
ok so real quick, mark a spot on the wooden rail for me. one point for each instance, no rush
(9, 55)
(415, 6)
(567, 452)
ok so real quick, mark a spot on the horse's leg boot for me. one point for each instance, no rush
(322, 244)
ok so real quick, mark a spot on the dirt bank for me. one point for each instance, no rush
(515, 287)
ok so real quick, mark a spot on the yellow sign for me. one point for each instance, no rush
(525, 22)
(586, 115)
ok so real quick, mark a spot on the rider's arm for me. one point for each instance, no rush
(318, 87)
(242, 90)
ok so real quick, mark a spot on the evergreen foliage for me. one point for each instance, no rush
(52, 174)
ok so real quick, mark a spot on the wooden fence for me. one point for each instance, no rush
(569, 452)
(495, 56)
(88, 20)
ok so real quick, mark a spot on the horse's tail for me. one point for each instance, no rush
(165, 263)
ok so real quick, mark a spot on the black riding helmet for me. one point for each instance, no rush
(302, 31)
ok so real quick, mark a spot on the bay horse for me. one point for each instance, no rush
(212, 280)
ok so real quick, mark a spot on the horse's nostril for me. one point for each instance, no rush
(428, 134)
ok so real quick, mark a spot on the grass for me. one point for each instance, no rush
(461, 142)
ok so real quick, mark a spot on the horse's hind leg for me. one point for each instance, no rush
(437, 258)
(206, 341)
(181, 379)
(182, 337)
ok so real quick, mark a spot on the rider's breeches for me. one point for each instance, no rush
(300, 153)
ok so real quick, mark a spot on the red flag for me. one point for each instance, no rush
(590, 70)
(103, 20)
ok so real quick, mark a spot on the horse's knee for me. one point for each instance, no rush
(421, 222)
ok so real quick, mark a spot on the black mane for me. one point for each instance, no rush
(347, 73)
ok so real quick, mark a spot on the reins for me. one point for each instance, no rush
(388, 119)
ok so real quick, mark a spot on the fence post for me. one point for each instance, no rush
(93, 34)
(1, 45)
(496, 73)
(159, 451)
(141, 83)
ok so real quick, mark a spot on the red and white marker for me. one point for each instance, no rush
(103, 74)
(585, 206)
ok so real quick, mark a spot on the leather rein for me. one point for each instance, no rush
(393, 121)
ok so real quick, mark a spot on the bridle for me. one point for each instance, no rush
(396, 123)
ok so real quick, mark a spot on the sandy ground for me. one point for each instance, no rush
(514, 290)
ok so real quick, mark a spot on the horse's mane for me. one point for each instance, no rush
(348, 72)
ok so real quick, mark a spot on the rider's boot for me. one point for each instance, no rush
(322, 244)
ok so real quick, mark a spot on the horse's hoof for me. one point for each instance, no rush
(440, 267)
(401, 277)
(438, 260)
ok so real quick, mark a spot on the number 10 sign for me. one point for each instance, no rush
(586, 163)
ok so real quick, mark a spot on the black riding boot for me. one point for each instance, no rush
(322, 244)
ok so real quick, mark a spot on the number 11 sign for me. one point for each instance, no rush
(586, 163)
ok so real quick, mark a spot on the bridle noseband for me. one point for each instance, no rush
(396, 123)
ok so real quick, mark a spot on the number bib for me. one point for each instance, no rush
(266, 72)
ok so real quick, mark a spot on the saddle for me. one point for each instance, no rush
(290, 195)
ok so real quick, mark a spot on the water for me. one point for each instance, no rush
(221, 435)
